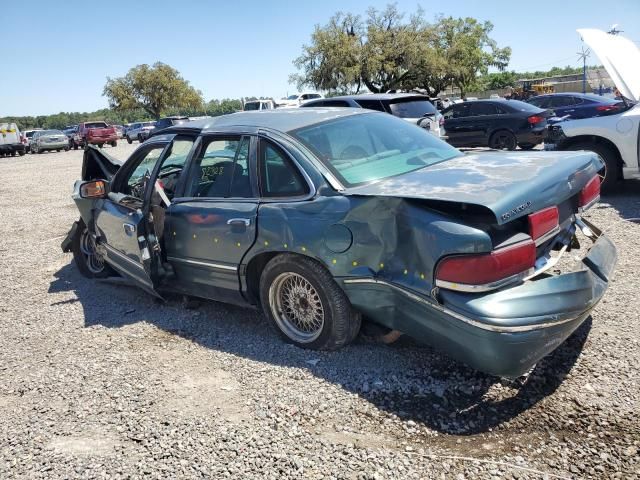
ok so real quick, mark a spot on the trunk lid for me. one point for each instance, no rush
(98, 165)
(509, 184)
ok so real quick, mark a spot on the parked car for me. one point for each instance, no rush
(499, 124)
(45, 140)
(119, 131)
(70, 132)
(11, 141)
(139, 131)
(578, 105)
(28, 134)
(165, 123)
(417, 109)
(298, 99)
(320, 216)
(615, 138)
(94, 133)
(259, 105)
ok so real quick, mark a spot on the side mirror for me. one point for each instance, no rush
(93, 189)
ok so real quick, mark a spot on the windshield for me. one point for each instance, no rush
(252, 106)
(95, 125)
(292, 97)
(148, 124)
(412, 108)
(51, 132)
(374, 146)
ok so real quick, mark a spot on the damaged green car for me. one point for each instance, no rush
(323, 216)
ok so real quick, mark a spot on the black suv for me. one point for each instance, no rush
(165, 122)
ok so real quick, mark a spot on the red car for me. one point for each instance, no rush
(94, 133)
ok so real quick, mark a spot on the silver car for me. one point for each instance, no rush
(139, 131)
(44, 140)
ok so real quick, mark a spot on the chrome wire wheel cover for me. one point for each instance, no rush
(296, 307)
(94, 261)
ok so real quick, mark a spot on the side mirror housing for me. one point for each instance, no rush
(94, 189)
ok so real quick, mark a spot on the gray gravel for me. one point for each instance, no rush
(98, 380)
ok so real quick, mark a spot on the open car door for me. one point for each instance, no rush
(124, 226)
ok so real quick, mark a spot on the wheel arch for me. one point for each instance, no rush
(570, 142)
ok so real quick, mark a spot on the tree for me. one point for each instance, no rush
(332, 61)
(387, 51)
(154, 89)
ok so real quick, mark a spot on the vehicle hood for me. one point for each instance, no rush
(509, 184)
(619, 56)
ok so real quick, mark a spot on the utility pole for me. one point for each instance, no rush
(583, 55)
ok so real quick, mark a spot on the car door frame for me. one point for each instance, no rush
(220, 288)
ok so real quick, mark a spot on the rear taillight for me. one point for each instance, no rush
(589, 194)
(606, 108)
(476, 273)
(542, 222)
(441, 121)
(533, 119)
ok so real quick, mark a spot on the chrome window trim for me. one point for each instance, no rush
(201, 263)
(559, 319)
(463, 287)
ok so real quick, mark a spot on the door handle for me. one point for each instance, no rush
(239, 221)
(129, 229)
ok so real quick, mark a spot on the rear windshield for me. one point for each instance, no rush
(364, 148)
(412, 108)
(519, 106)
(251, 106)
(51, 132)
(95, 125)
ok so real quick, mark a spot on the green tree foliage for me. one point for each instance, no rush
(154, 89)
(389, 51)
(224, 106)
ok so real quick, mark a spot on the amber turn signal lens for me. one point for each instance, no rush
(95, 189)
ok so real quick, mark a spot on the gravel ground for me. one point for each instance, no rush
(98, 380)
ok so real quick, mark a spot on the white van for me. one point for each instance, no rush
(11, 140)
(252, 105)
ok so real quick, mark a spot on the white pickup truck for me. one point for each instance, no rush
(616, 138)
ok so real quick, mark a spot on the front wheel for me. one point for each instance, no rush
(86, 257)
(610, 174)
(305, 304)
(503, 139)
(140, 139)
(129, 141)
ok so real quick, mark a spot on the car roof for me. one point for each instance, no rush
(283, 120)
(376, 96)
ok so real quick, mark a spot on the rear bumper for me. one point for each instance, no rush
(54, 145)
(100, 140)
(503, 333)
(12, 147)
(533, 137)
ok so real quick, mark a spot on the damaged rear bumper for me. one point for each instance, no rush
(503, 333)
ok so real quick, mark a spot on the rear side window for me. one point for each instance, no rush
(221, 170)
(412, 108)
(371, 104)
(561, 101)
(459, 110)
(482, 108)
(278, 175)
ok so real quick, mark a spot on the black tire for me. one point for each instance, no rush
(610, 175)
(114, 143)
(340, 323)
(75, 145)
(66, 149)
(21, 153)
(140, 139)
(129, 141)
(527, 146)
(58, 149)
(86, 267)
(40, 151)
(503, 139)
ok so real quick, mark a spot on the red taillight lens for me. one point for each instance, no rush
(485, 269)
(533, 119)
(543, 221)
(590, 192)
(441, 121)
(606, 108)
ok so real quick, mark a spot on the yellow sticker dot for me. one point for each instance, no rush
(238, 244)
(285, 246)
(266, 244)
(334, 261)
(406, 271)
(422, 276)
(174, 234)
(382, 265)
(215, 240)
(304, 249)
(354, 263)
(194, 235)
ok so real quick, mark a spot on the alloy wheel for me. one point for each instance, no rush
(296, 307)
(93, 260)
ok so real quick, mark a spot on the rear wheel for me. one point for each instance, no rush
(610, 174)
(305, 304)
(140, 138)
(86, 257)
(114, 143)
(129, 140)
(503, 139)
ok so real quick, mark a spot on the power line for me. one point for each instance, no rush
(545, 64)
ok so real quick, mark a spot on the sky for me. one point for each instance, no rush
(59, 56)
